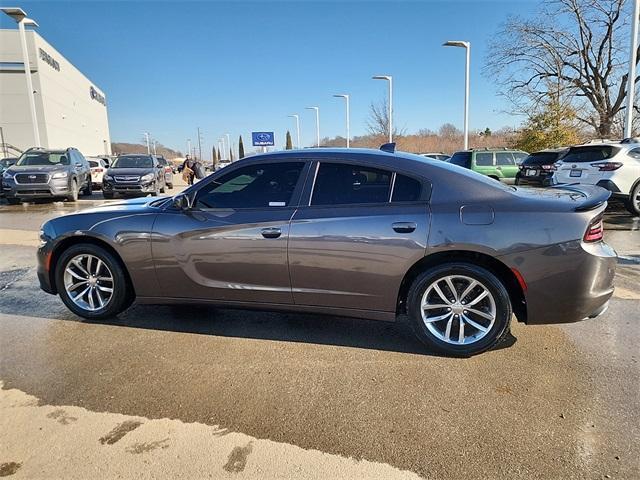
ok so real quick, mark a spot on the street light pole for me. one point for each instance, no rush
(317, 109)
(628, 128)
(467, 47)
(228, 144)
(297, 117)
(199, 145)
(188, 146)
(154, 147)
(346, 98)
(146, 136)
(21, 19)
(389, 78)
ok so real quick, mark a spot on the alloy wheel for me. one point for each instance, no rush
(88, 282)
(458, 309)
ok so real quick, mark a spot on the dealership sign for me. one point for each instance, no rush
(263, 139)
(48, 59)
(97, 96)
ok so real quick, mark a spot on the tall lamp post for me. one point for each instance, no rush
(21, 19)
(628, 128)
(317, 109)
(297, 117)
(228, 144)
(388, 78)
(346, 98)
(146, 136)
(467, 47)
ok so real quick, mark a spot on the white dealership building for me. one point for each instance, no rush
(71, 110)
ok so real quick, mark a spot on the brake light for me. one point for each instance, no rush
(595, 231)
(521, 167)
(549, 167)
(607, 166)
(99, 170)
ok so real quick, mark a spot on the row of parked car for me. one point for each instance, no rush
(46, 173)
(613, 165)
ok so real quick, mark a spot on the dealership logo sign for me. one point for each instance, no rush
(262, 139)
(97, 96)
(46, 58)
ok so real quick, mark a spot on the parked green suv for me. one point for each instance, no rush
(499, 163)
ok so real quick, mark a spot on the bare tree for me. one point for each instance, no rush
(574, 51)
(378, 121)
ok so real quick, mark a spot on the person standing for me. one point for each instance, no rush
(187, 170)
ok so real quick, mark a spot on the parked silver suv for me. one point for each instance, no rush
(42, 173)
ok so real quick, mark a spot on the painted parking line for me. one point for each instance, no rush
(108, 445)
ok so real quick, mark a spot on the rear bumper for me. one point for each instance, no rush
(534, 181)
(566, 282)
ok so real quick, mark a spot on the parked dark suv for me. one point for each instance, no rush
(134, 174)
(43, 173)
(537, 169)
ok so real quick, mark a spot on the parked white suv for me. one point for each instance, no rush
(611, 165)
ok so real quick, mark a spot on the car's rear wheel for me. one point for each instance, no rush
(459, 309)
(91, 282)
(633, 202)
(88, 190)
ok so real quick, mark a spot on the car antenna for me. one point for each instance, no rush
(388, 147)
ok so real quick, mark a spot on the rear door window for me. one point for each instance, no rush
(635, 153)
(346, 184)
(484, 159)
(406, 189)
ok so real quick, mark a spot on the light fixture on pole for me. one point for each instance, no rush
(346, 98)
(467, 47)
(388, 78)
(297, 117)
(146, 136)
(21, 19)
(631, 80)
(317, 109)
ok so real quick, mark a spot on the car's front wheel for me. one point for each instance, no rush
(91, 282)
(73, 191)
(459, 309)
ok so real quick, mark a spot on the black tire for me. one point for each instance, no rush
(73, 195)
(497, 330)
(13, 201)
(162, 188)
(107, 195)
(88, 190)
(122, 296)
(633, 202)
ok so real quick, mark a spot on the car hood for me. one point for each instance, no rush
(37, 168)
(129, 171)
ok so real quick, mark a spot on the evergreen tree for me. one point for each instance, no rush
(240, 148)
(289, 145)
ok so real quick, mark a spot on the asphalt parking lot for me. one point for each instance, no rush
(198, 392)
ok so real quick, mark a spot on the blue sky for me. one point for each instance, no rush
(169, 67)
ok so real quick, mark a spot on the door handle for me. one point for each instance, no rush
(404, 227)
(271, 232)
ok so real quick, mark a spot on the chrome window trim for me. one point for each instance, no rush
(393, 184)
(313, 184)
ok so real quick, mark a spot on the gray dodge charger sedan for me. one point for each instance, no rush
(373, 234)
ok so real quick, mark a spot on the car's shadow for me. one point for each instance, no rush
(277, 326)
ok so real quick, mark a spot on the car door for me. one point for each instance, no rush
(232, 246)
(506, 166)
(483, 163)
(359, 231)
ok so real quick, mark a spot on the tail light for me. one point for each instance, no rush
(607, 166)
(595, 231)
(521, 167)
(549, 167)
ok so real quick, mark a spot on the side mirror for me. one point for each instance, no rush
(182, 202)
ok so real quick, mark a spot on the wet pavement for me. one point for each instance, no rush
(555, 402)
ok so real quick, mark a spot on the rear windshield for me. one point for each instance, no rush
(43, 159)
(542, 158)
(592, 153)
(94, 163)
(133, 161)
(462, 159)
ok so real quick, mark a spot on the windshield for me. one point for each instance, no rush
(43, 159)
(593, 153)
(133, 161)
